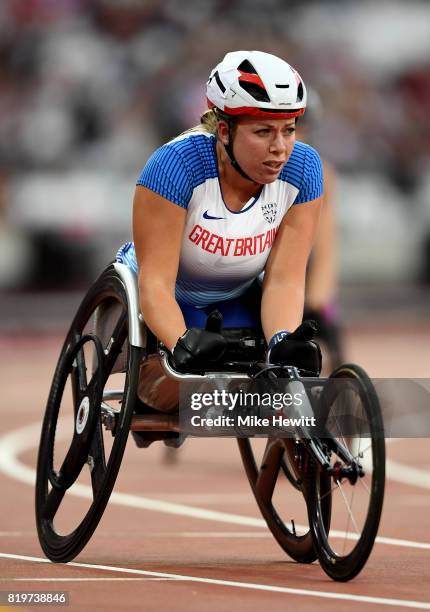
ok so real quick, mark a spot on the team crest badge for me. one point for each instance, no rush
(269, 211)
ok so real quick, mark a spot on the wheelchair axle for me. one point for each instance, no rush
(140, 422)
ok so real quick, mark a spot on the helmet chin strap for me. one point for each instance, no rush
(229, 150)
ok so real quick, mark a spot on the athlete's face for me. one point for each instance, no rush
(263, 146)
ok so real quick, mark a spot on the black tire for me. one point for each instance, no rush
(359, 502)
(278, 467)
(85, 351)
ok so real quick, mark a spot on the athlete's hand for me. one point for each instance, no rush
(298, 349)
(198, 348)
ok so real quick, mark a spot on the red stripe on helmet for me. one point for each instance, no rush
(251, 78)
(259, 112)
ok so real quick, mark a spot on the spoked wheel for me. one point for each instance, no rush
(352, 414)
(87, 421)
(276, 470)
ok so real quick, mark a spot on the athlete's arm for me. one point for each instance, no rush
(284, 277)
(158, 225)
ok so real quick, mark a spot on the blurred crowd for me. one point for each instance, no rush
(91, 87)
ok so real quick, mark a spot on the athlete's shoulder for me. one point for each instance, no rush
(200, 139)
(176, 168)
(302, 157)
(195, 148)
(191, 151)
(304, 170)
(304, 151)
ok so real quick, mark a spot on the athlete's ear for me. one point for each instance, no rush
(223, 132)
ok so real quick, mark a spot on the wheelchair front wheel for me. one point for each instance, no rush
(352, 416)
(87, 420)
(276, 470)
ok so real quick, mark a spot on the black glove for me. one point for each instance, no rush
(298, 349)
(198, 348)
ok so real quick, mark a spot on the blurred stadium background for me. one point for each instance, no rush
(89, 88)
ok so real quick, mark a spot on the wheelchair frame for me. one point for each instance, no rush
(137, 337)
(304, 460)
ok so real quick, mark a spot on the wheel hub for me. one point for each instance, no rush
(82, 416)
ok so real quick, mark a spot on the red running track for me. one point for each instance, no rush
(158, 549)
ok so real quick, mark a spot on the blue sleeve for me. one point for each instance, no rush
(311, 185)
(167, 174)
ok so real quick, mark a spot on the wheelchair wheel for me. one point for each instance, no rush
(87, 420)
(276, 472)
(351, 412)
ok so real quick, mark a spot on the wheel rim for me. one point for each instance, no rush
(356, 501)
(79, 456)
(279, 489)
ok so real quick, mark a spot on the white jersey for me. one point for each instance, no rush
(223, 251)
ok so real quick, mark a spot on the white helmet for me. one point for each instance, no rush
(256, 83)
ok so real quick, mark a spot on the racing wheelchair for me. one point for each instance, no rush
(94, 402)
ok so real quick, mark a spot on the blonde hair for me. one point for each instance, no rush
(208, 123)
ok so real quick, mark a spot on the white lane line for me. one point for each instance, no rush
(224, 534)
(405, 603)
(210, 498)
(21, 440)
(268, 534)
(407, 474)
(110, 579)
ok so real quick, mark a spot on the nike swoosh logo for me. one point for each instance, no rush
(207, 216)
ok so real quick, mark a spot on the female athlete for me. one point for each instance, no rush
(223, 203)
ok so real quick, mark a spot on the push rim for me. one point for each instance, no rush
(356, 500)
(79, 408)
